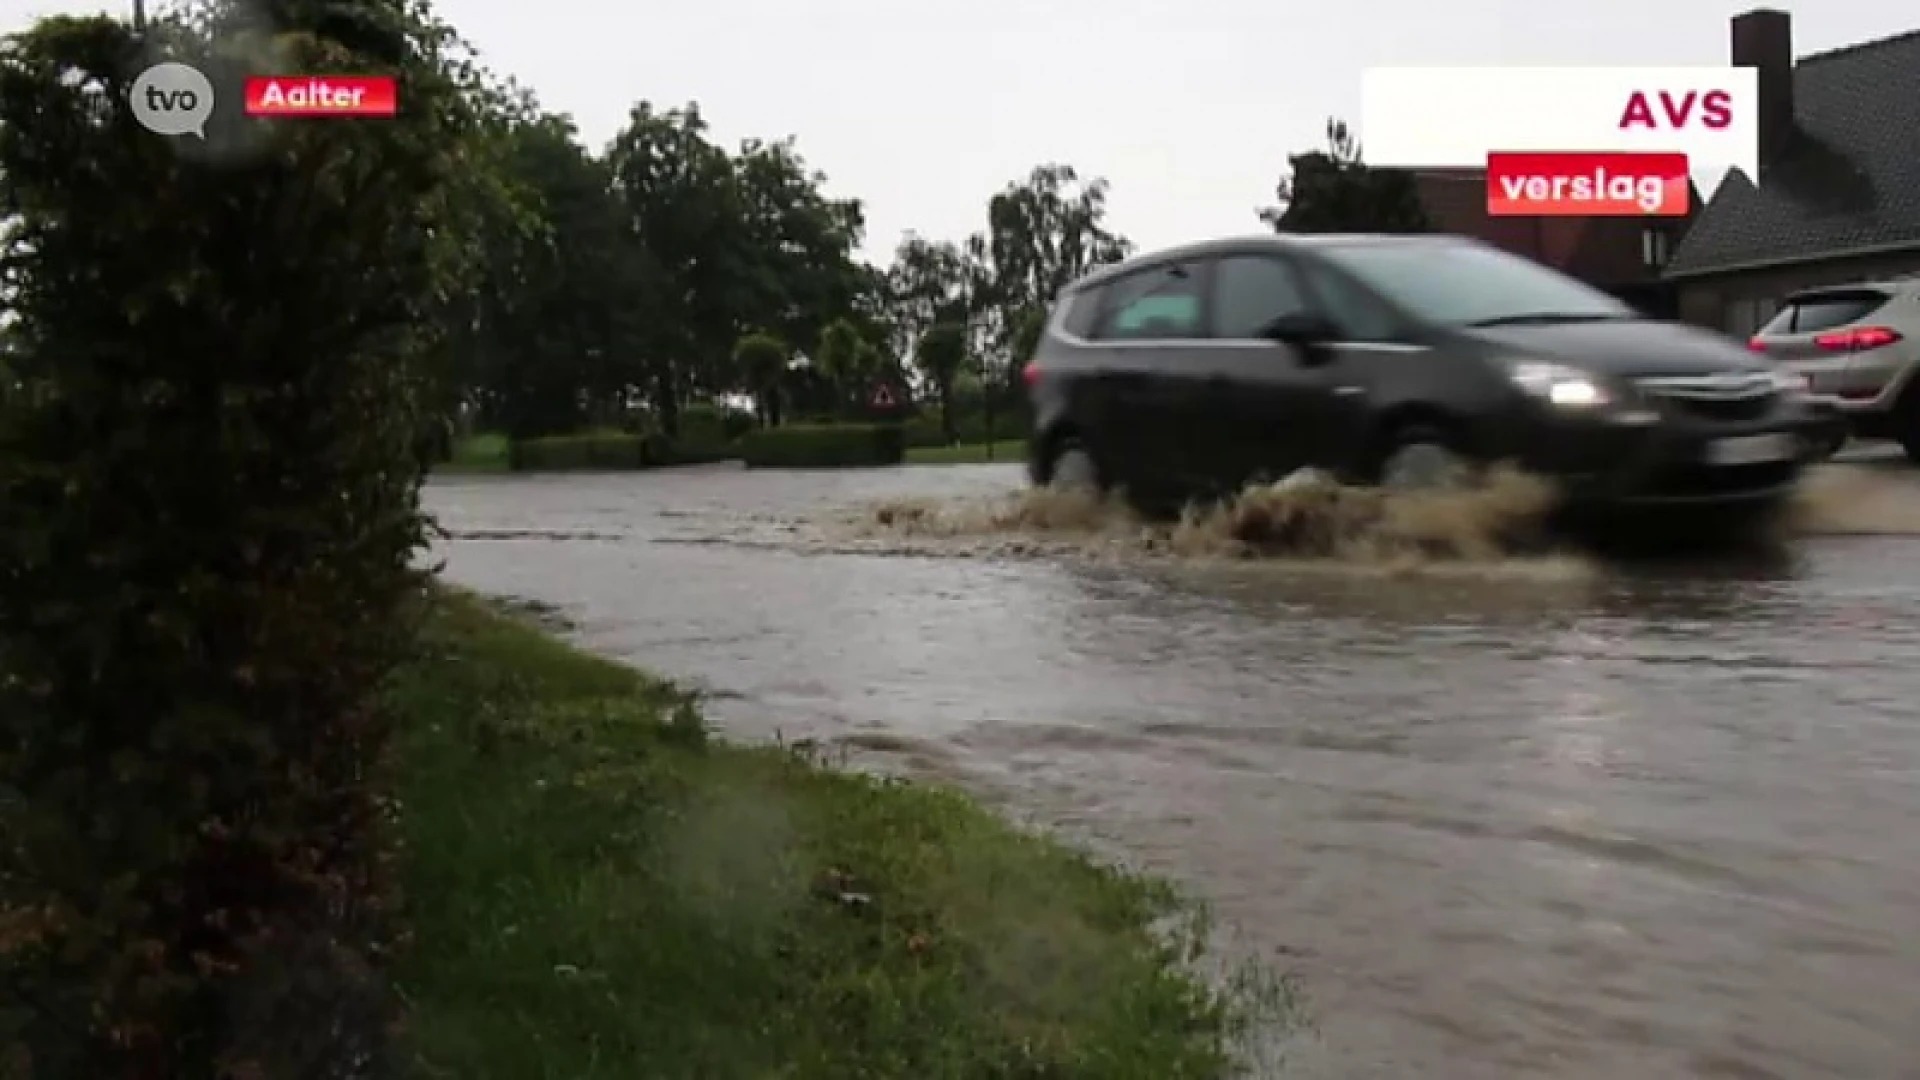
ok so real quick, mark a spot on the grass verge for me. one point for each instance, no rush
(486, 452)
(599, 891)
(969, 453)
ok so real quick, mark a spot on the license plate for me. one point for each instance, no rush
(1752, 449)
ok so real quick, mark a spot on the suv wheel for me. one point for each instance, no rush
(1074, 470)
(1420, 459)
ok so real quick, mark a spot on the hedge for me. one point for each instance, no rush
(824, 446)
(590, 450)
(210, 540)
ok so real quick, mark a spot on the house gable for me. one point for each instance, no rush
(1846, 181)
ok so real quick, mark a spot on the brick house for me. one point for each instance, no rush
(1622, 255)
(1838, 198)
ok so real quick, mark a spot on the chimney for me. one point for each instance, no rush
(1763, 40)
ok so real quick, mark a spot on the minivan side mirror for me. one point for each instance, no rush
(1300, 328)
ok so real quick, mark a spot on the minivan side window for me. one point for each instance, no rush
(1359, 315)
(1153, 305)
(1250, 291)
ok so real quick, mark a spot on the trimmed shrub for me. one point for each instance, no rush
(705, 424)
(590, 450)
(210, 529)
(824, 446)
(683, 452)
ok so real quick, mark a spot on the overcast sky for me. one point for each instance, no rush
(924, 108)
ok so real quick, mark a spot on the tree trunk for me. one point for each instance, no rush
(666, 400)
(987, 412)
(947, 433)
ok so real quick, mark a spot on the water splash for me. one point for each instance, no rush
(1306, 520)
(1857, 500)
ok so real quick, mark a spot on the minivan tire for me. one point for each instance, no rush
(1073, 470)
(1424, 459)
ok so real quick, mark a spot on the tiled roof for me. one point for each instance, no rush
(1848, 181)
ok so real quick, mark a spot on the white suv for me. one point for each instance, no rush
(1858, 347)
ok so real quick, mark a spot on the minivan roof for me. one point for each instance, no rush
(1257, 242)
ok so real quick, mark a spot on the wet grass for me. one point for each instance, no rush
(485, 452)
(601, 891)
(969, 453)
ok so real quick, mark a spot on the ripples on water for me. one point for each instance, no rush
(1548, 817)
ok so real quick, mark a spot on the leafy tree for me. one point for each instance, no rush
(681, 205)
(844, 359)
(795, 259)
(941, 355)
(1027, 336)
(565, 301)
(1333, 190)
(209, 521)
(762, 360)
(926, 283)
(1043, 233)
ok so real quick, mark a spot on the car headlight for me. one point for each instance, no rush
(1559, 385)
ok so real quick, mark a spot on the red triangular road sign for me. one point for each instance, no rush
(882, 397)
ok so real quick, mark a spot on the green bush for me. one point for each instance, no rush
(590, 450)
(687, 452)
(824, 446)
(209, 526)
(705, 424)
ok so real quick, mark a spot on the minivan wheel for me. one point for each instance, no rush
(1074, 471)
(1421, 461)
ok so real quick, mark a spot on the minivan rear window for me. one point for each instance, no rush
(1814, 312)
(1083, 311)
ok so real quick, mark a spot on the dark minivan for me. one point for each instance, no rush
(1407, 361)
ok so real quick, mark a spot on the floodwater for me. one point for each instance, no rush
(1503, 816)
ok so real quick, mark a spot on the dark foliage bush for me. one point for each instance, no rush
(208, 527)
(591, 450)
(824, 446)
(713, 425)
(599, 450)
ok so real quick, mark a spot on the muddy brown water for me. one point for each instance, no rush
(1501, 816)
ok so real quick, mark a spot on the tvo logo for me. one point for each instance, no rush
(172, 99)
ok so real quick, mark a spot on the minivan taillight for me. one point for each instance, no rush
(1867, 337)
(1030, 374)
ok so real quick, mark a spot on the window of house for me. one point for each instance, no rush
(1163, 302)
(1655, 247)
(1745, 317)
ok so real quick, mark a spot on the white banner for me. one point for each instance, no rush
(1429, 117)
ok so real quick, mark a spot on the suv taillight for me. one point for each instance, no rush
(1030, 374)
(1867, 337)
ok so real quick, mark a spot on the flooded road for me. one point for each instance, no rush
(1520, 818)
